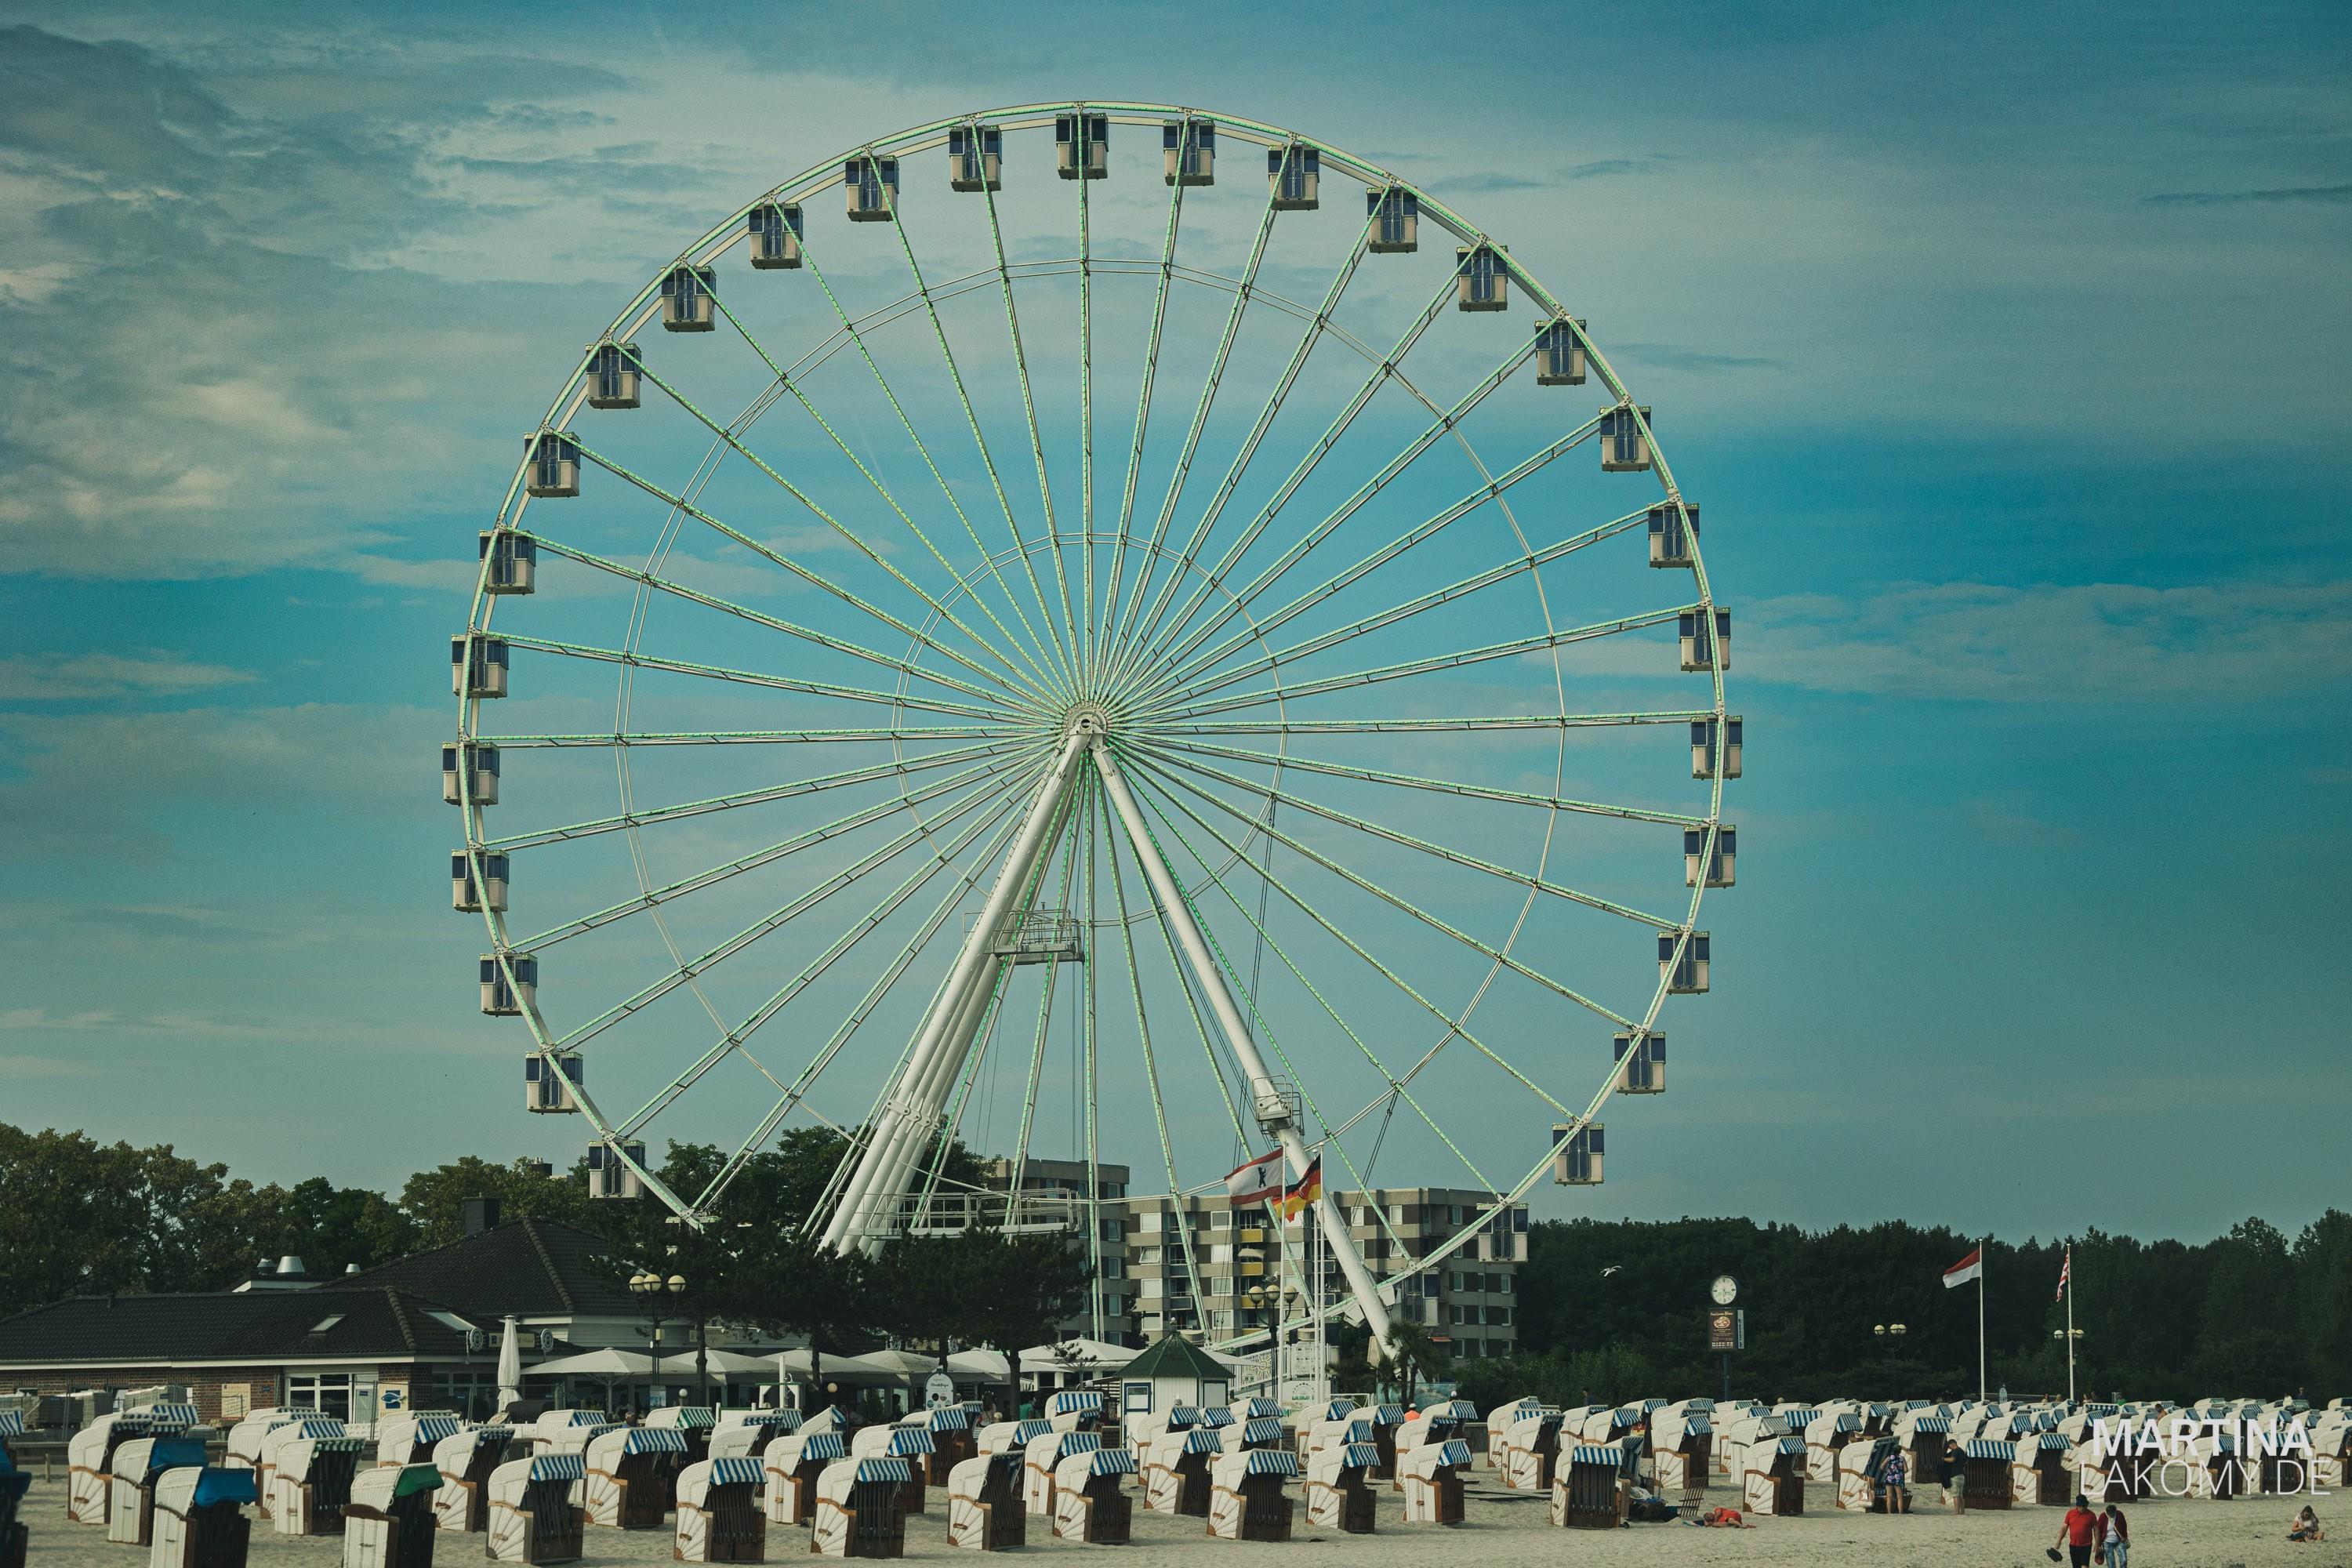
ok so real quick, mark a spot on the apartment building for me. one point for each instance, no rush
(1220, 1273)
(1054, 1195)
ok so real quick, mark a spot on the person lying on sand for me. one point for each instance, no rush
(1720, 1518)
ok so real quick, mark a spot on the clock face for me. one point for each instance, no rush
(1725, 1290)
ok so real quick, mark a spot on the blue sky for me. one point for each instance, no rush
(2002, 345)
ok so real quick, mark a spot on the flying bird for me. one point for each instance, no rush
(1610, 1269)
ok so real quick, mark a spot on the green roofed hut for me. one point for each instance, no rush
(1173, 1372)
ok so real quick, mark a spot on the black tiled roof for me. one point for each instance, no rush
(530, 1267)
(263, 1325)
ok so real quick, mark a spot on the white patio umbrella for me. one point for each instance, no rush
(1077, 1355)
(608, 1363)
(991, 1366)
(733, 1366)
(510, 1365)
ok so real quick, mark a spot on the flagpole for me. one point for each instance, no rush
(2069, 1325)
(1982, 1247)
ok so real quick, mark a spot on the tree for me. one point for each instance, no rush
(433, 1202)
(1410, 1357)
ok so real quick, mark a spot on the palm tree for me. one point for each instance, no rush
(1410, 1358)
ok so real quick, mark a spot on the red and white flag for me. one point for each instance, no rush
(1259, 1181)
(2066, 1272)
(1966, 1268)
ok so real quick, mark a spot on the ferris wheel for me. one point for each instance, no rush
(988, 645)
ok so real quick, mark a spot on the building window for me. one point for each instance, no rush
(328, 1393)
(1149, 1221)
(471, 1393)
(1135, 1398)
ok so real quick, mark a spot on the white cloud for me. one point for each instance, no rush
(105, 784)
(59, 677)
(2091, 642)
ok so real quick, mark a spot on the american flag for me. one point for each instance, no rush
(2066, 1272)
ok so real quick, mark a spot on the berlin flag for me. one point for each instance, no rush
(1966, 1268)
(1258, 1182)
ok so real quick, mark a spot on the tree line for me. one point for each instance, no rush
(84, 1219)
(1617, 1311)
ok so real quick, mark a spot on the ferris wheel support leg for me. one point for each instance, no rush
(915, 1132)
(1272, 1114)
(907, 1114)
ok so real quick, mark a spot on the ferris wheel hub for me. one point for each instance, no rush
(1085, 719)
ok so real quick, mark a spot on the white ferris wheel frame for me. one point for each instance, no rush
(1006, 767)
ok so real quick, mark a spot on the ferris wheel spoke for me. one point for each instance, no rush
(1379, 376)
(1455, 1026)
(988, 460)
(804, 633)
(1061, 680)
(1151, 1062)
(1397, 1086)
(1082, 636)
(1110, 626)
(1037, 440)
(873, 859)
(1038, 683)
(1261, 1026)
(849, 535)
(1169, 778)
(766, 794)
(830, 832)
(755, 678)
(1037, 1047)
(1412, 780)
(1445, 422)
(1441, 786)
(855, 1138)
(1419, 533)
(1265, 416)
(1091, 1045)
(1493, 721)
(778, 558)
(1206, 677)
(624, 739)
(1216, 376)
(1539, 643)
(734, 1038)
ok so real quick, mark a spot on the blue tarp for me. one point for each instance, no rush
(225, 1486)
(175, 1453)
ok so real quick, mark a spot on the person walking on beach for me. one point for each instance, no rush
(2118, 1542)
(2080, 1532)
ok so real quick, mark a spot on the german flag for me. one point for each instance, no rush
(1299, 1194)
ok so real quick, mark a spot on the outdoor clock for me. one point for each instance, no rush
(1725, 1290)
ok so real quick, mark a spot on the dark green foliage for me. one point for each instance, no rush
(2249, 1312)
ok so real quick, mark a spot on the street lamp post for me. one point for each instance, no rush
(2071, 1336)
(661, 1298)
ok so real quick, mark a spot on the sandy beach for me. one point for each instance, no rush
(1502, 1529)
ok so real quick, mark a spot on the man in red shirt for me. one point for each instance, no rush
(2079, 1532)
